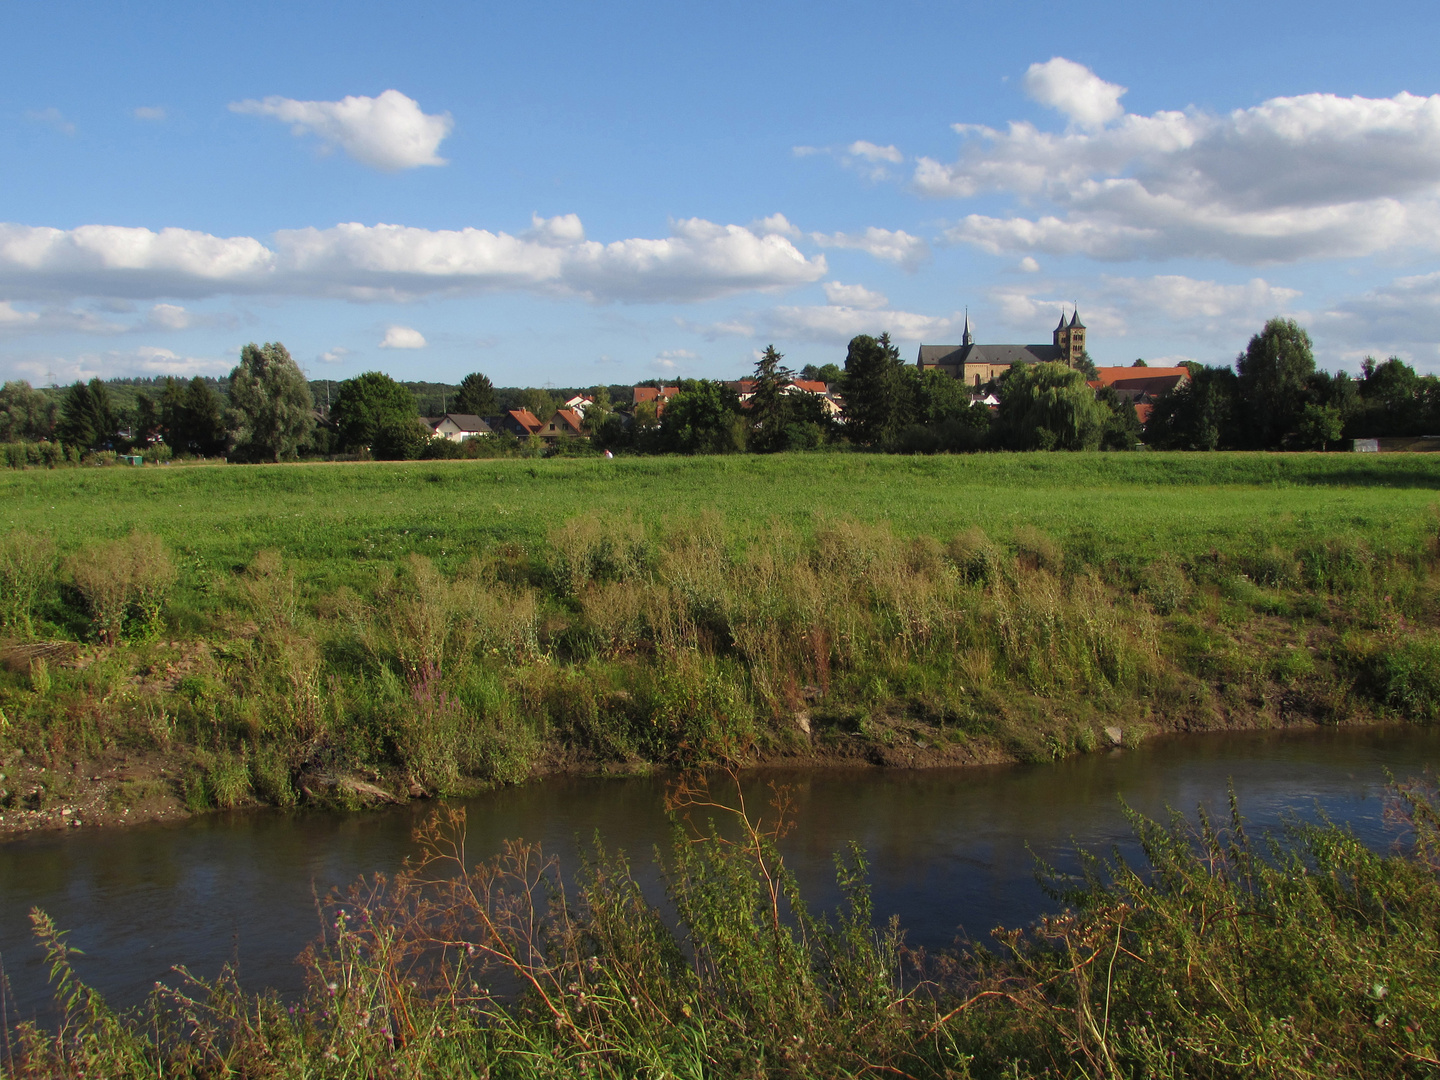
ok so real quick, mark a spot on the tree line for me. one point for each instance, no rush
(1272, 398)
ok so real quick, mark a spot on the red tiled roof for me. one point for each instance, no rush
(1153, 380)
(526, 419)
(650, 393)
(810, 386)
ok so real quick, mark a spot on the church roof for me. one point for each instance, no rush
(1075, 323)
(999, 355)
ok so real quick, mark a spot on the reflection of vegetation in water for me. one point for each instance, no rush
(1305, 956)
(288, 639)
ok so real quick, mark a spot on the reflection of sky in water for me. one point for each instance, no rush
(946, 849)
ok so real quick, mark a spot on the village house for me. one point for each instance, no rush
(658, 395)
(457, 427)
(579, 403)
(745, 390)
(518, 422)
(1141, 386)
(566, 423)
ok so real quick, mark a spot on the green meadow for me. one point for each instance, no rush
(332, 518)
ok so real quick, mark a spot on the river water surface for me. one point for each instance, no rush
(950, 851)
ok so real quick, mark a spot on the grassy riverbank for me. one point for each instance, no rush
(351, 632)
(1222, 956)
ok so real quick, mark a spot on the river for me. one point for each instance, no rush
(950, 850)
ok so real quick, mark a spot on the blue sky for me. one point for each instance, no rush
(568, 194)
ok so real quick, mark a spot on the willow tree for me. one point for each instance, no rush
(272, 410)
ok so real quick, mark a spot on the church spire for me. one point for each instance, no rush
(967, 338)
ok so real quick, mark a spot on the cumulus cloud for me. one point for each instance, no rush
(388, 132)
(336, 355)
(675, 359)
(1029, 265)
(52, 117)
(871, 152)
(700, 260)
(1396, 318)
(170, 317)
(402, 337)
(855, 296)
(150, 112)
(896, 246)
(1311, 176)
(1073, 89)
(868, 158)
(775, 225)
(1168, 304)
(56, 318)
(43, 369)
(836, 324)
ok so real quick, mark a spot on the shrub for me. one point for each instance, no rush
(1408, 674)
(27, 566)
(1038, 551)
(1165, 585)
(123, 578)
(975, 556)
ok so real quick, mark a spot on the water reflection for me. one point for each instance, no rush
(949, 851)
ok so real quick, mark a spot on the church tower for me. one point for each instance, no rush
(1076, 332)
(1069, 338)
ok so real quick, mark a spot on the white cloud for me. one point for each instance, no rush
(336, 355)
(775, 225)
(388, 132)
(856, 296)
(1312, 176)
(150, 112)
(1085, 98)
(10, 319)
(898, 247)
(1029, 265)
(170, 317)
(55, 318)
(837, 324)
(698, 261)
(868, 158)
(871, 152)
(52, 117)
(44, 369)
(558, 231)
(402, 337)
(1168, 305)
(675, 359)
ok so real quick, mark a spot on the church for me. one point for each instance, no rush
(979, 365)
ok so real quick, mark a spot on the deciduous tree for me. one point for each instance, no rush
(368, 403)
(1049, 407)
(26, 415)
(1273, 372)
(272, 410)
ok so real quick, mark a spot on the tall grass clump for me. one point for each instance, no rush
(27, 569)
(120, 580)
